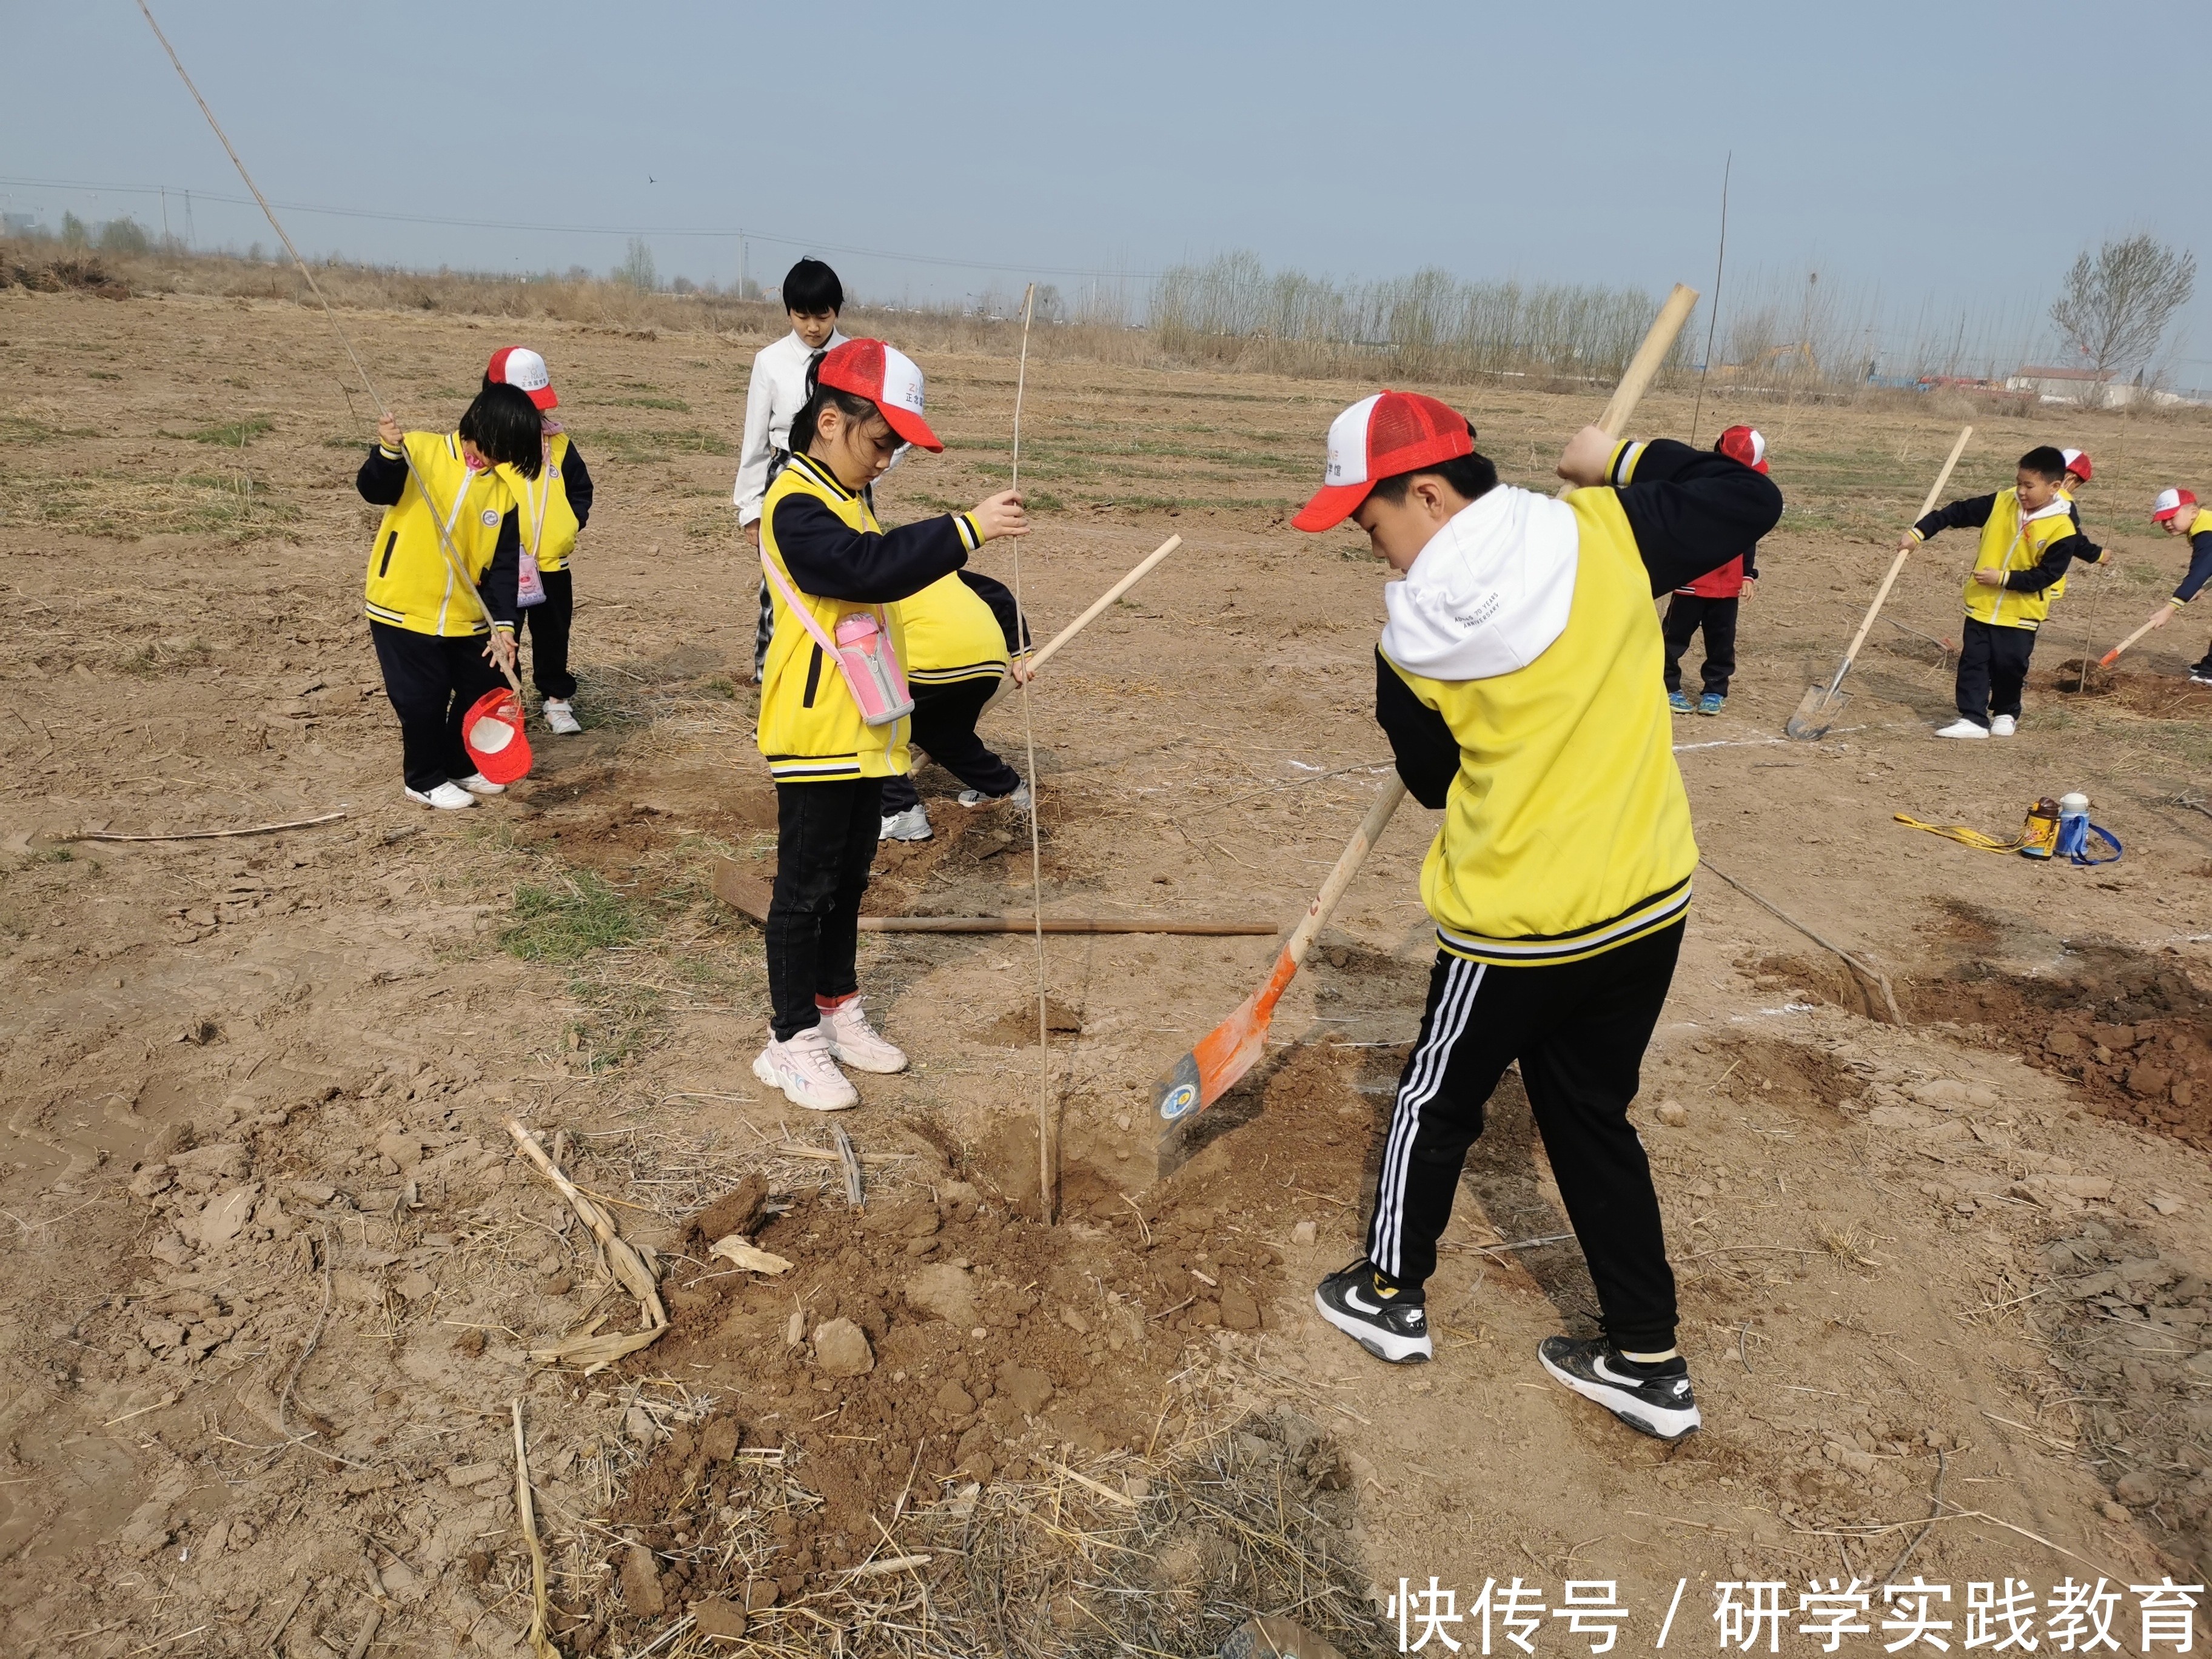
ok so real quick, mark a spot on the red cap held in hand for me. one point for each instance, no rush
(886, 378)
(1377, 438)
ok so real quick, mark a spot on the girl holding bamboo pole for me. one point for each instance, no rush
(834, 713)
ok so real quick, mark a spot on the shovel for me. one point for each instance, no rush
(1821, 707)
(1223, 1054)
(2113, 655)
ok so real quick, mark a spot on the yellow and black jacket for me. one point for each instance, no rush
(411, 583)
(826, 542)
(959, 627)
(2032, 549)
(556, 505)
(1518, 682)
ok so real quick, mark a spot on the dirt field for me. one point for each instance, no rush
(279, 1270)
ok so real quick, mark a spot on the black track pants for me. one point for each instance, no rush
(547, 624)
(432, 678)
(1686, 614)
(1992, 669)
(1579, 1030)
(944, 729)
(825, 841)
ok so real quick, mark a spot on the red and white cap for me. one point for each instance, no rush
(1745, 444)
(886, 378)
(1378, 438)
(2169, 502)
(525, 371)
(2077, 463)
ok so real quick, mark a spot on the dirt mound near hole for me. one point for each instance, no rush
(2134, 1031)
(2081, 676)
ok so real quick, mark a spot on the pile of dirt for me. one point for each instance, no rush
(2129, 1339)
(942, 1337)
(2080, 677)
(78, 271)
(2134, 1031)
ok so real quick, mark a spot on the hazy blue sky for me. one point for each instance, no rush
(1955, 153)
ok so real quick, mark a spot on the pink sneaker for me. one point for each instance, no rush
(804, 1070)
(857, 1044)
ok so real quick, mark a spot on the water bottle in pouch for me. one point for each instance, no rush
(2073, 825)
(872, 670)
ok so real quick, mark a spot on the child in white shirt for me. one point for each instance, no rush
(813, 297)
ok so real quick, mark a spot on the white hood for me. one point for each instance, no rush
(1489, 593)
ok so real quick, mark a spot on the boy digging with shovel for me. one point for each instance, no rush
(1514, 679)
(2029, 535)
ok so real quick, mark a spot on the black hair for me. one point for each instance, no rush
(806, 425)
(506, 426)
(1472, 476)
(810, 287)
(2046, 462)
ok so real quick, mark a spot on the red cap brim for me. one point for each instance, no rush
(911, 427)
(543, 397)
(1332, 504)
(2170, 512)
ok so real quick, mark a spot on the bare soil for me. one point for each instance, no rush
(278, 1270)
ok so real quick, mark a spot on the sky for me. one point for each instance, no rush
(1942, 158)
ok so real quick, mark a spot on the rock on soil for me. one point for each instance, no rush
(841, 1348)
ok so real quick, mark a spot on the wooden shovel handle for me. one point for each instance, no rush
(1347, 865)
(1648, 359)
(2113, 656)
(1044, 655)
(1897, 564)
(1643, 366)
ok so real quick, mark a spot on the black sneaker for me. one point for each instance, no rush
(1654, 1400)
(1386, 1320)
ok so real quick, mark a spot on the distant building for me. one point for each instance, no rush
(2087, 388)
(21, 224)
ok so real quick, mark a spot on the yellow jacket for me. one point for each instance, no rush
(2032, 549)
(951, 635)
(554, 505)
(1566, 831)
(825, 542)
(411, 583)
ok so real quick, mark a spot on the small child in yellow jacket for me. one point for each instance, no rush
(832, 567)
(2029, 535)
(964, 631)
(442, 647)
(555, 505)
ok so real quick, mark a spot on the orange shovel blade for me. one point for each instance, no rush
(1222, 1056)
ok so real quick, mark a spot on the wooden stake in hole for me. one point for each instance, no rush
(1048, 1129)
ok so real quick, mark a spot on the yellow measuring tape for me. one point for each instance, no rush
(2038, 836)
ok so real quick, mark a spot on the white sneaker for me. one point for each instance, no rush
(913, 824)
(804, 1070)
(477, 784)
(1018, 799)
(561, 717)
(856, 1044)
(1964, 728)
(446, 797)
(2003, 726)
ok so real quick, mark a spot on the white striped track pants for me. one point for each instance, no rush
(1579, 1029)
